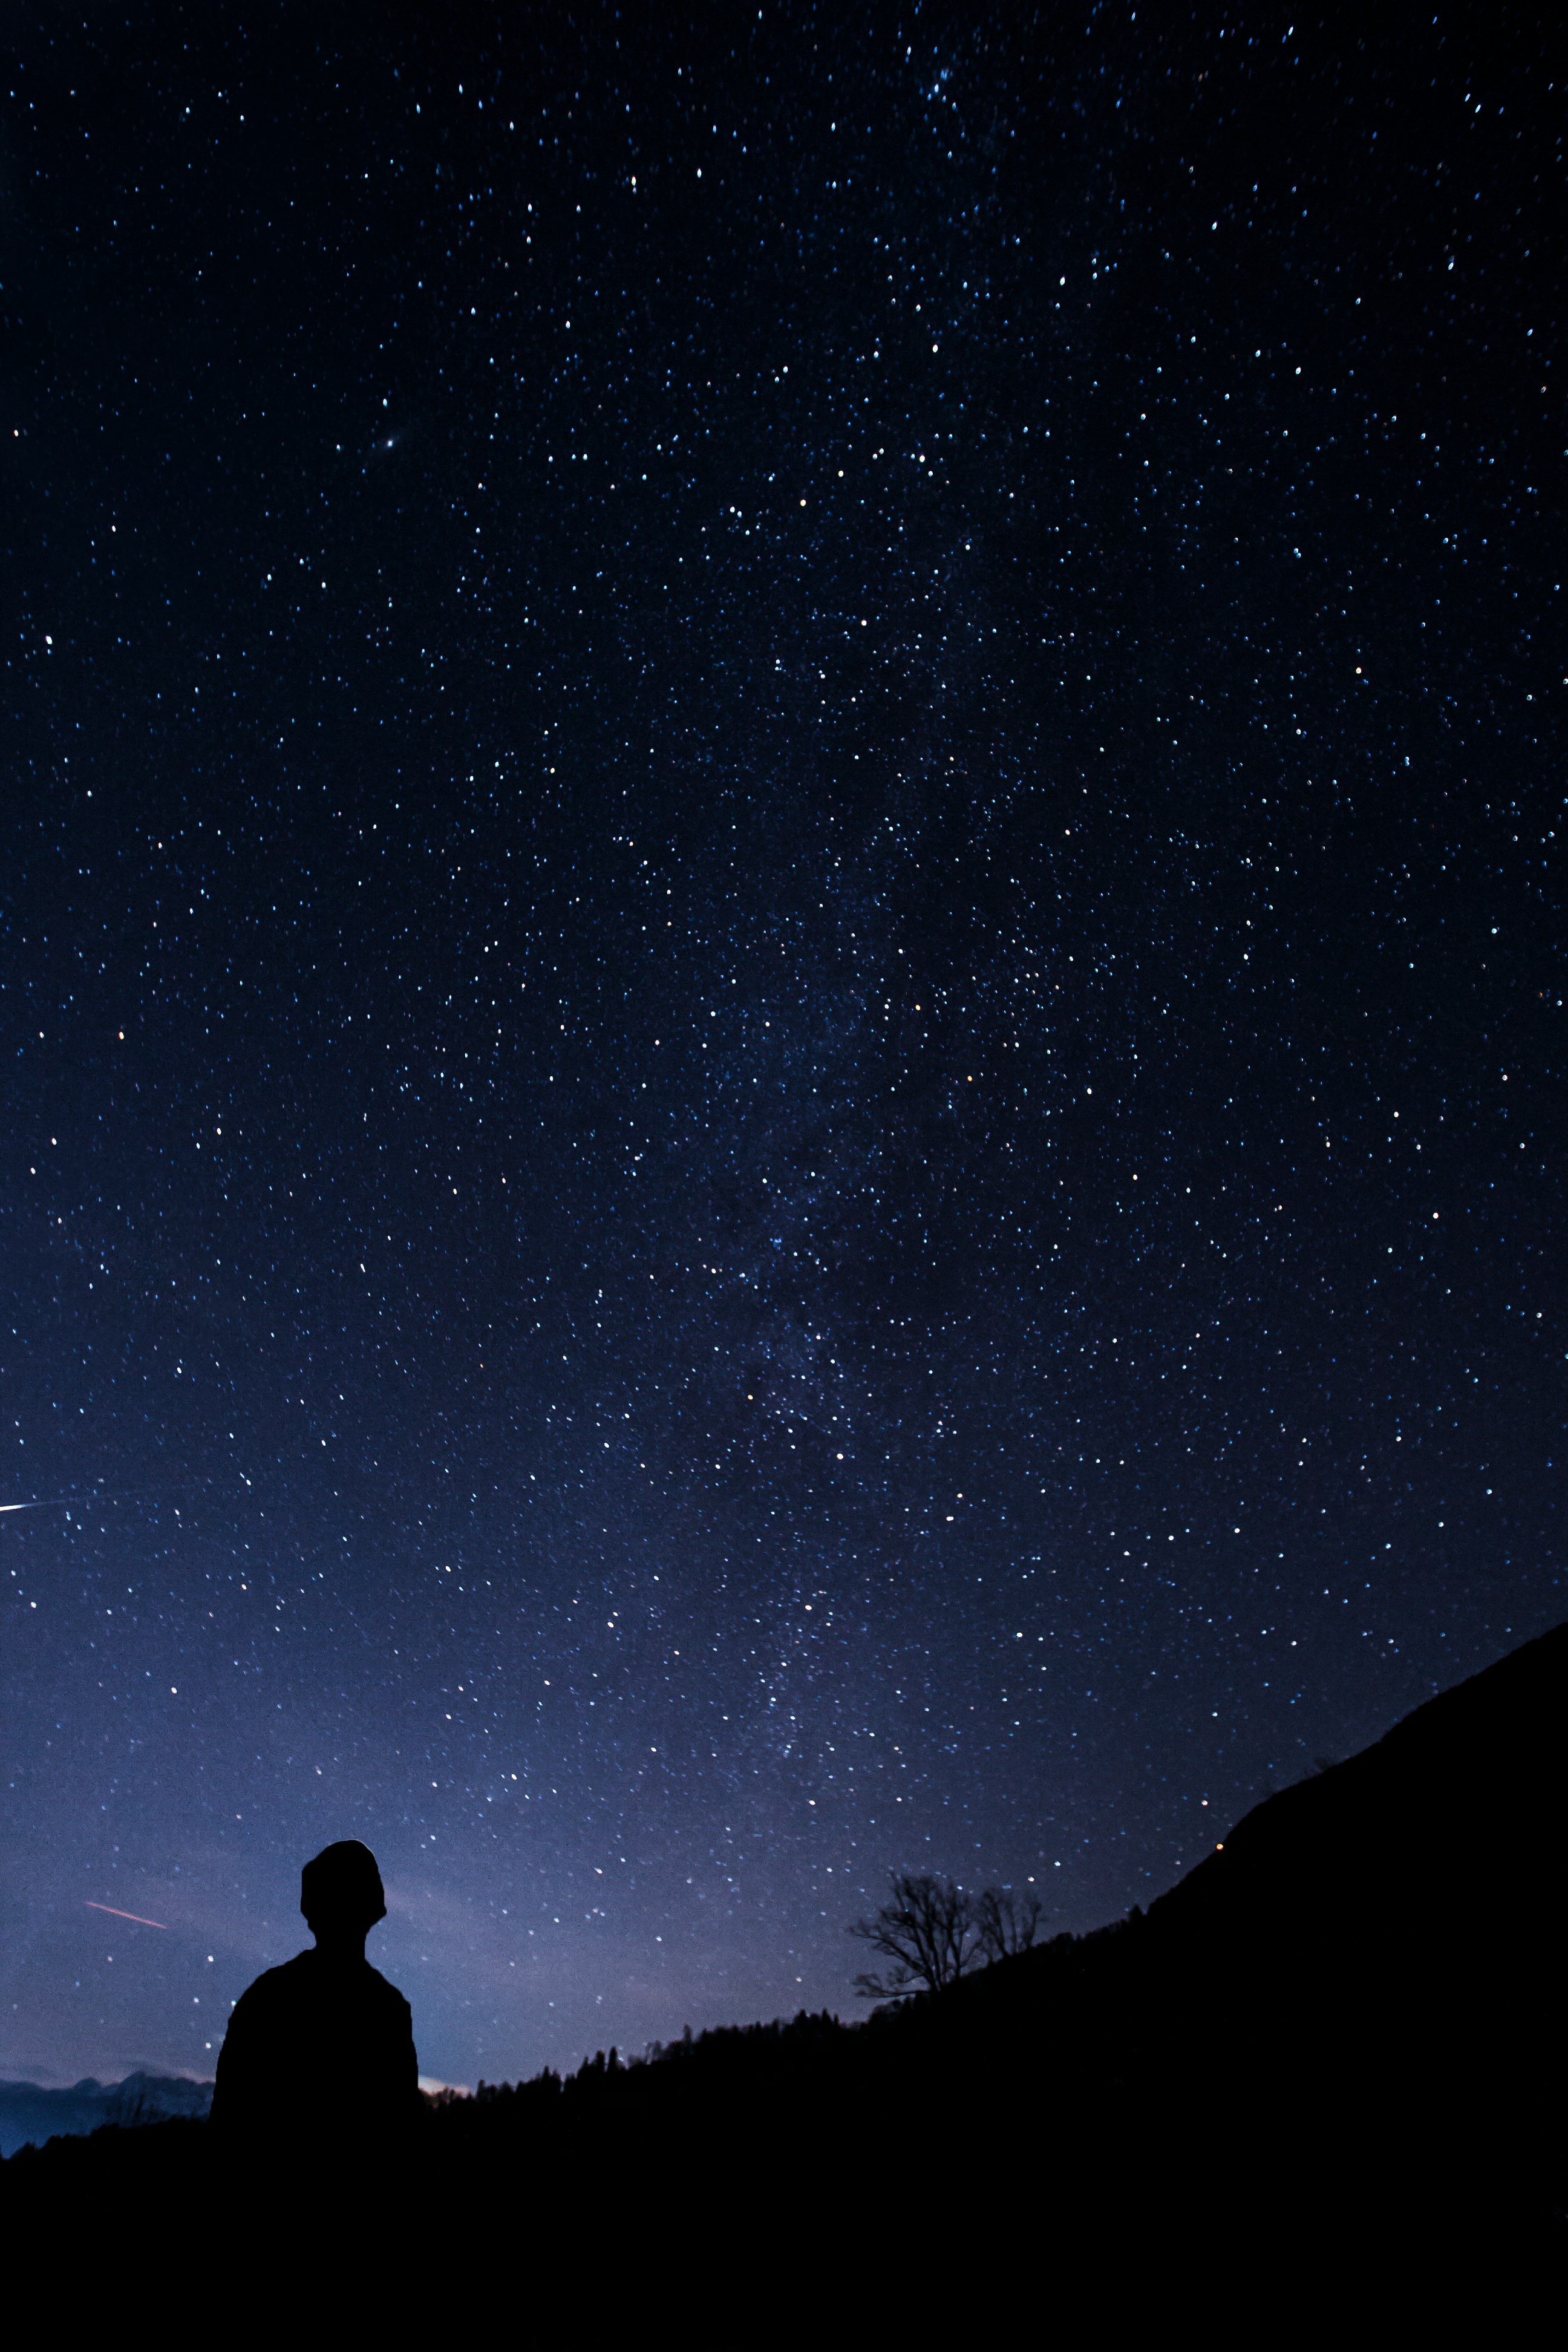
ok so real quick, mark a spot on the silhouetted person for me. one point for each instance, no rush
(318, 2062)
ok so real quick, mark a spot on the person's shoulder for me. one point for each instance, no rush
(290, 1972)
(385, 1992)
(279, 1983)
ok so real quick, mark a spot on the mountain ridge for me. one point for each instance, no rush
(31, 2114)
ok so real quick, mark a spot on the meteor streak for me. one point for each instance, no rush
(65, 1502)
(128, 1915)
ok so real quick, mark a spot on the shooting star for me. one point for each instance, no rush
(129, 1915)
(84, 1502)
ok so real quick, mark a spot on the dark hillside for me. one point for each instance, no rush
(1455, 1815)
(1336, 2046)
(1405, 1885)
(1349, 2017)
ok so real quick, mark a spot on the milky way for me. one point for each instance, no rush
(780, 975)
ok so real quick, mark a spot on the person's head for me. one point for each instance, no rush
(341, 1895)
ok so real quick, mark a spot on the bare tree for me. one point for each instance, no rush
(1005, 1923)
(928, 1932)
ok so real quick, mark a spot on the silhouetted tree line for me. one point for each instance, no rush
(718, 2051)
(932, 1930)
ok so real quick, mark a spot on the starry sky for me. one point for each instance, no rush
(781, 973)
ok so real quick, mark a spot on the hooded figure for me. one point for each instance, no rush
(319, 2057)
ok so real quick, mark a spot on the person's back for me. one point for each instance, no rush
(318, 2058)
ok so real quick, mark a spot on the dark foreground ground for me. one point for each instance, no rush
(1323, 2077)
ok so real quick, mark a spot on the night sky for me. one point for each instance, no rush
(780, 980)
